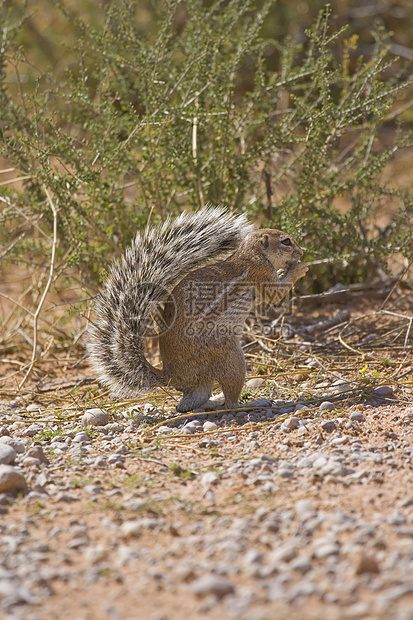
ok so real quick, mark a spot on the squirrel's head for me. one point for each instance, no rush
(278, 247)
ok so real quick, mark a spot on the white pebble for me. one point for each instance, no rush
(11, 479)
(95, 417)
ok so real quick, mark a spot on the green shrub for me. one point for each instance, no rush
(172, 108)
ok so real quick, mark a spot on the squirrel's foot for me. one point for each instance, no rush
(193, 399)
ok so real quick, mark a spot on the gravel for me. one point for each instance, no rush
(244, 523)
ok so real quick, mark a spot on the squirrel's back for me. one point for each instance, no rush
(137, 286)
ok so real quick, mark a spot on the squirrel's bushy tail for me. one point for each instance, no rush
(151, 267)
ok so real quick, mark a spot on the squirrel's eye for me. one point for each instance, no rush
(286, 241)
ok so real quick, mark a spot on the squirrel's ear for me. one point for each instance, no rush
(265, 241)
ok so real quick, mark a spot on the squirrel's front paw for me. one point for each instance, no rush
(300, 269)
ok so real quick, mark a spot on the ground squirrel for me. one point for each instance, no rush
(194, 280)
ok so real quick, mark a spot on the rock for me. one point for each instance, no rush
(134, 529)
(12, 594)
(328, 426)
(284, 553)
(357, 416)
(292, 423)
(96, 553)
(14, 443)
(367, 564)
(95, 417)
(32, 430)
(341, 386)
(301, 564)
(11, 480)
(134, 504)
(212, 585)
(304, 509)
(327, 406)
(255, 383)
(261, 403)
(7, 454)
(210, 426)
(164, 430)
(325, 549)
(383, 391)
(81, 438)
(36, 452)
(209, 478)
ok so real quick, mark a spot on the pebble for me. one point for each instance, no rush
(255, 383)
(36, 452)
(11, 480)
(357, 416)
(32, 430)
(7, 454)
(209, 478)
(210, 426)
(261, 403)
(384, 391)
(81, 438)
(291, 423)
(214, 585)
(295, 548)
(284, 553)
(326, 549)
(367, 564)
(95, 417)
(18, 446)
(327, 406)
(328, 426)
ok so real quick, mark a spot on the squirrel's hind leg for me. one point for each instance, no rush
(193, 399)
(232, 376)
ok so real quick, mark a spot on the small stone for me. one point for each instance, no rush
(14, 443)
(81, 438)
(357, 416)
(340, 441)
(397, 518)
(341, 386)
(284, 553)
(383, 391)
(7, 454)
(134, 529)
(304, 509)
(209, 478)
(36, 452)
(210, 426)
(212, 585)
(328, 426)
(164, 430)
(131, 529)
(32, 430)
(95, 417)
(326, 549)
(327, 406)
(11, 480)
(261, 403)
(33, 407)
(301, 564)
(255, 383)
(367, 564)
(30, 461)
(134, 504)
(96, 553)
(292, 423)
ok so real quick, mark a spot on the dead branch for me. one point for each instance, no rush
(46, 289)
